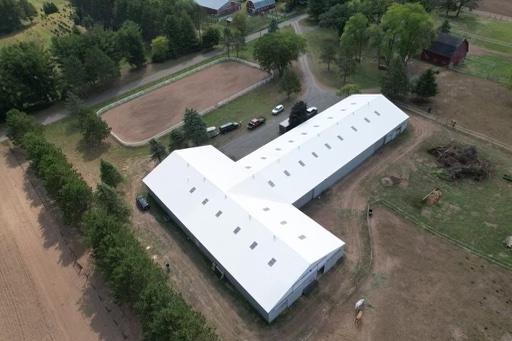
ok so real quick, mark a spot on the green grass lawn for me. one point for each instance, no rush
(477, 214)
(366, 74)
(489, 66)
(40, 30)
(482, 26)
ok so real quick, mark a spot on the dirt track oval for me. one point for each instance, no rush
(158, 110)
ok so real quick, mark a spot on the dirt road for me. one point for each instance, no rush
(41, 295)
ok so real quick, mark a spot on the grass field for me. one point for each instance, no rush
(40, 30)
(366, 74)
(488, 66)
(475, 213)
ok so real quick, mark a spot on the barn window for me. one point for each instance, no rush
(314, 154)
(302, 237)
(235, 231)
(339, 138)
(271, 183)
(192, 190)
(354, 128)
(218, 214)
(284, 222)
(377, 113)
(302, 163)
(205, 201)
(327, 146)
(272, 262)
(287, 173)
(367, 120)
(266, 209)
(253, 245)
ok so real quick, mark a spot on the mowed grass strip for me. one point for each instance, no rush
(477, 214)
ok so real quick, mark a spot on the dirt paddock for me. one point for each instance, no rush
(158, 110)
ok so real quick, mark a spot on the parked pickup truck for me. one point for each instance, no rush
(255, 122)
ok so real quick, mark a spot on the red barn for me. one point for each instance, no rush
(446, 50)
(258, 6)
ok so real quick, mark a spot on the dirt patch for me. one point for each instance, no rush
(474, 103)
(460, 297)
(501, 7)
(43, 293)
(154, 112)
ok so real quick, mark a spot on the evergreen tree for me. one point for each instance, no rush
(27, 10)
(157, 150)
(194, 127)
(76, 198)
(130, 41)
(298, 114)
(273, 26)
(109, 199)
(395, 82)
(426, 85)
(211, 37)
(445, 27)
(228, 39)
(94, 129)
(177, 140)
(109, 174)
(9, 16)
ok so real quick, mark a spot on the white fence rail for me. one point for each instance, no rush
(174, 79)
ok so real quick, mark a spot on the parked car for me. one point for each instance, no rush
(142, 203)
(212, 132)
(277, 110)
(255, 122)
(228, 126)
(312, 111)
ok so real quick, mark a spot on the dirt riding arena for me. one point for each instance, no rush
(159, 110)
(42, 295)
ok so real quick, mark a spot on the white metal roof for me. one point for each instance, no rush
(213, 4)
(317, 148)
(228, 206)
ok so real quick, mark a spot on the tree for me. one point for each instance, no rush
(28, 77)
(375, 38)
(9, 16)
(36, 146)
(74, 75)
(109, 199)
(448, 6)
(177, 140)
(78, 109)
(316, 8)
(328, 55)
(211, 37)
(355, 34)
(469, 4)
(240, 23)
(56, 172)
(194, 127)
(27, 10)
(94, 129)
(407, 28)
(273, 26)
(346, 61)
(298, 114)
(348, 89)
(157, 150)
(50, 8)
(426, 85)
(337, 15)
(18, 124)
(374, 10)
(228, 39)
(130, 41)
(395, 82)
(109, 174)
(99, 67)
(445, 27)
(160, 49)
(277, 50)
(76, 198)
(238, 42)
(290, 83)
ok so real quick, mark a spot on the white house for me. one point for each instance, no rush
(244, 215)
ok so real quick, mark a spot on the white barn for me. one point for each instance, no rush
(244, 215)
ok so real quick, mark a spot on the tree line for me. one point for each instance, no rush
(102, 216)
(13, 13)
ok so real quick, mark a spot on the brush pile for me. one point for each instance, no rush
(460, 161)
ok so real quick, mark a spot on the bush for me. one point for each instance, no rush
(49, 8)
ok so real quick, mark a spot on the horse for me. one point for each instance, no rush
(359, 316)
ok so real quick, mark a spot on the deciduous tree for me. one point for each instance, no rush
(76, 198)
(355, 33)
(240, 23)
(109, 174)
(211, 37)
(290, 82)
(277, 50)
(27, 10)
(445, 27)
(469, 4)
(228, 39)
(316, 8)
(194, 127)
(346, 61)
(157, 150)
(18, 124)
(273, 26)
(348, 89)
(9, 16)
(328, 55)
(160, 49)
